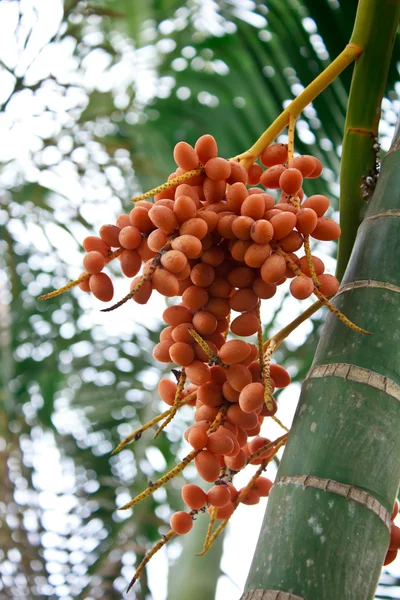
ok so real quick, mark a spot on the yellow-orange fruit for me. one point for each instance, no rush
(319, 266)
(142, 295)
(202, 275)
(174, 315)
(164, 218)
(305, 164)
(205, 413)
(181, 522)
(123, 221)
(101, 287)
(241, 277)
(240, 418)
(190, 245)
(84, 285)
(196, 227)
(236, 463)
(110, 235)
(252, 497)
(144, 251)
(167, 390)
(219, 443)
(245, 324)
(262, 231)
(276, 154)
(161, 351)
(195, 297)
(243, 300)
(235, 196)
(183, 283)
(273, 268)
(291, 181)
(198, 373)
(185, 156)
(253, 206)
(198, 438)
(262, 289)
(206, 148)
(294, 258)
(215, 338)
(241, 227)
(224, 226)
(217, 168)
(139, 218)
(225, 512)
(270, 177)
(394, 543)
(238, 173)
(306, 220)
(206, 243)
(174, 260)
(256, 444)
(256, 255)
(165, 282)
(184, 208)
(194, 496)
(229, 393)
(156, 240)
(301, 287)
(254, 173)
(292, 242)
(214, 191)
(253, 354)
(218, 375)
(210, 217)
(318, 203)
(326, 230)
(218, 496)
(210, 394)
(180, 333)
(214, 256)
(234, 351)
(280, 376)
(251, 397)
(181, 353)
(239, 248)
(220, 288)
(187, 190)
(330, 285)
(317, 171)
(207, 465)
(130, 237)
(238, 376)
(184, 275)
(93, 242)
(94, 262)
(205, 322)
(218, 307)
(130, 262)
(283, 224)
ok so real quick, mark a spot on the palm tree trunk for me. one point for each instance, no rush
(327, 525)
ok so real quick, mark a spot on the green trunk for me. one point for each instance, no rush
(326, 529)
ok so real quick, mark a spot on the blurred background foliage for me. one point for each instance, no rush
(94, 95)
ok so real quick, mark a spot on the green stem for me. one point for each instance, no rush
(374, 30)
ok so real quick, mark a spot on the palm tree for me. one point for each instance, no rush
(190, 94)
